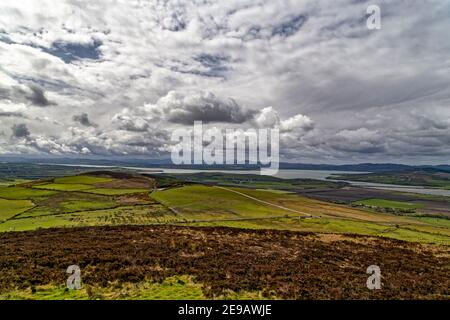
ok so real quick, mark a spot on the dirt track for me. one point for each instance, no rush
(278, 263)
(265, 202)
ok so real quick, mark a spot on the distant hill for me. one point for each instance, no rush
(166, 163)
(426, 177)
(362, 167)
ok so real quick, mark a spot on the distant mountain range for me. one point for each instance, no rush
(166, 163)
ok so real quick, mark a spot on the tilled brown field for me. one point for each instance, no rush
(283, 264)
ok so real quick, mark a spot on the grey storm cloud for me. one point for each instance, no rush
(37, 97)
(181, 108)
(20, 130)
(26, 93)
(9, 114)
(290, 27)
(83, 119)
(210, 110)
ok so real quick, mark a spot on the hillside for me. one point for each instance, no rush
(167, 262)
(427, 177)
(221, 236)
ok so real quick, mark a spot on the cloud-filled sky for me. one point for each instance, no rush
(116, 77)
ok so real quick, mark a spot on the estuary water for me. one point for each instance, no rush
(312, 174)
(294, 174)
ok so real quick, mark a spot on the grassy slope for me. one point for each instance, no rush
(389, 204)
(10, 208)
(75, 201)
(81, 180)
(109, 191)
(21, 193)
(202, 202)
(64, 186)
(136, 214)
(5, 182)
(199, 204)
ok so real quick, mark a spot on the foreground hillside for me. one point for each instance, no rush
(185, 262)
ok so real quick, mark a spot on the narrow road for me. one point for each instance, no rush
(267, 203)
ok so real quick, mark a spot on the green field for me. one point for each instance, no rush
(112, 192)
(445, 223)
(5, 182)
(138, 215)
(202, 202)
(21, 193)
(82, 201)
(64, 186)
(212, 206)
(67, 202)
(77, 201)
(83, 179)
(10, 208)
(389, 204)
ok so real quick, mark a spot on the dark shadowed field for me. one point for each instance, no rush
(280, 264)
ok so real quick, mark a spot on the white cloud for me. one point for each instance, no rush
(139, 68)
(298, 122)
(267, 118)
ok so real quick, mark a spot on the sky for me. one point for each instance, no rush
(116, 77)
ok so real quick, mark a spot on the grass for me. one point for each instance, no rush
(202, 202)
(137, 214)
(80, 205)
(5, 182)
(210, 206)
(112, 192)
(64, 186)
(172, 288)
(81, 180)
(10, 208)
(381, 203)
(83, 204)
(34, 223)
(75, 201)
(439, 222)
(318, 208)
(411, 233)
(21, 193)
(144, 214)
(67, 202)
